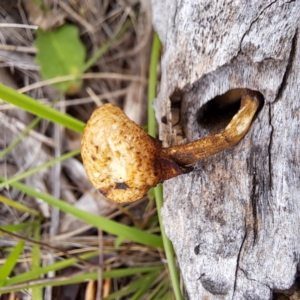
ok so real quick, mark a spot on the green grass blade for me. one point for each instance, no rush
(159, 290)
(81, 278)
(20, 137)
(158, 189)
(130, 288)
(105, 47)
(109, 226)
(37, 272)
(39, 168)
(10, 263)
(37, 293)
(130, 271)
(18, 206)
(155, 55)
(16, 227)
(22, 101)
(168, 296)
(174, 274)
(148, 282)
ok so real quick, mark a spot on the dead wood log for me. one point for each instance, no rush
(234, 222)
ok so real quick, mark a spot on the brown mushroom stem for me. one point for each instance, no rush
(194, 151)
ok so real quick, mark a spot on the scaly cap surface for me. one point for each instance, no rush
(119, 157)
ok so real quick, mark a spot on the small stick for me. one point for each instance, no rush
(46, 246)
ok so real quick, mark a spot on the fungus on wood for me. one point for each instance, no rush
(233, 221)
(123, 162)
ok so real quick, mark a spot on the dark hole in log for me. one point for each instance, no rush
(176, 99)
(176, 96)
(217, 113)
(164, 120)
(291, 293)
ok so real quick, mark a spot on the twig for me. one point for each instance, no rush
(115, 76)
(18, 48)
(32, 242)
(94, 97)
(28, 284)
(14, 25)
(76, 16)
(100, 267)
(73, 102)
(56, 170)
(15, 124)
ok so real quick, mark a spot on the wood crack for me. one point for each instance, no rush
(270, 149)
(291, 59)
(248, 30)
(252, 279)
(238, 260)
(281, 89)
(253, 199)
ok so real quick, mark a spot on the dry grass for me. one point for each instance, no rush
(118, 77)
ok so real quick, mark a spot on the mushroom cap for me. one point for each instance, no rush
(119, 156)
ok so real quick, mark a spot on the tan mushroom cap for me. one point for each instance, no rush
(119, 157)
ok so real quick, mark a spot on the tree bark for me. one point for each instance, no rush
(235, 220)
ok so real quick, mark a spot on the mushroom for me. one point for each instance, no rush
(123, 162)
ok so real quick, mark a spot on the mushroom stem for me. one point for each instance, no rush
(194, 151)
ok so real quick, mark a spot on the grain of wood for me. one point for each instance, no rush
(234, 221)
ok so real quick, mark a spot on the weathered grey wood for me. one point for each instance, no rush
(234, 221)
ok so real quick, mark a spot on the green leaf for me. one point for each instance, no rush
(10, 262)
(61, 53)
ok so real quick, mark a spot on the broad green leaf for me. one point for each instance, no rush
(60, 53)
